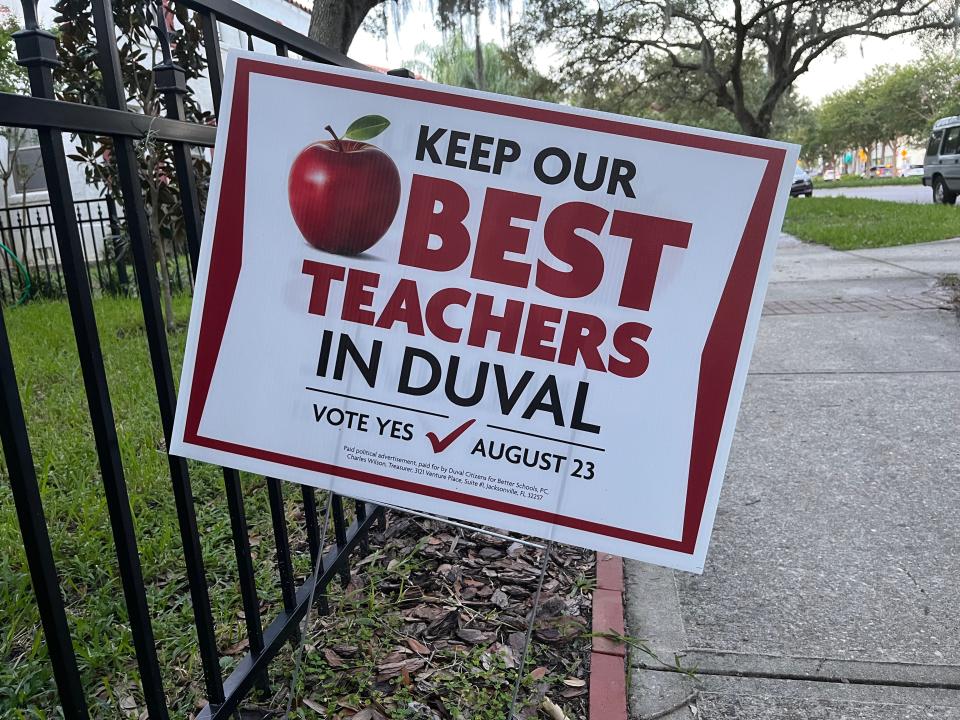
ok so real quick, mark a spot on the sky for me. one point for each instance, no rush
(826, 75)
(829, 74)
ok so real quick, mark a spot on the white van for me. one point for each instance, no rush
(941, 164)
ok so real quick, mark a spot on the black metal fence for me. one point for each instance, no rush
(71, 268)
(30, 266)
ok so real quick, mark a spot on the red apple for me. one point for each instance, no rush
(343, 194)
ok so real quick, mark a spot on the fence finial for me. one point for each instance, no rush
(161, 29)
(168, 76)
(30, 20)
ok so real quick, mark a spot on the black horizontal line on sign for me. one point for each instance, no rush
(376, 402)
(545, 437)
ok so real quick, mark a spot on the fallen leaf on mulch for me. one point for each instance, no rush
(332, 658)
(367, 714)
(417, 646)
(538, 673)
(315, 706)
(553, 710)
(475, 637)
(237, 648)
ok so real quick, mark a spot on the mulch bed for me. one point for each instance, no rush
(432, 626)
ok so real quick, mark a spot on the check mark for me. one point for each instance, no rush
(440, 445)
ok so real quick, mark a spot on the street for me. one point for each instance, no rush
(892, 193)
(830, 588)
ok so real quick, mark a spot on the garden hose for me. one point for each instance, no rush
(23, 271)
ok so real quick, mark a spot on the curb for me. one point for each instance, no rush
(608, 678)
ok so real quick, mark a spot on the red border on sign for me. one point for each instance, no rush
(720, 352)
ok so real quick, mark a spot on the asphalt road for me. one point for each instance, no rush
(891, 193)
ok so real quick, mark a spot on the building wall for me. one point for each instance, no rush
(285, 12)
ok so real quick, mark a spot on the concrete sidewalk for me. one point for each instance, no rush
(832, 587)
(890, 193)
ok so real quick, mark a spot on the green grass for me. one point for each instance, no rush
(51, 389)
(857, 181)
(845, 223)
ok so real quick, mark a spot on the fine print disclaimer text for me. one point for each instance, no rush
(439, 471)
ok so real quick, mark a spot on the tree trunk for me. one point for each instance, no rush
(334, 23)
(8, 241)
(166, 289)
(165, 285)
(757, 126)
(478, 49)
(750, 125)
(24, 215)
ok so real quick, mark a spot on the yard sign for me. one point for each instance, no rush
(514, 313)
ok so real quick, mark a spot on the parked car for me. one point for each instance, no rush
(941, 164)
(802, 184)
(912, 171)
(829, 175)
(878, 171)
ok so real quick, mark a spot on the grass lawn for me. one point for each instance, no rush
(857, 181)
(51, 389)
(845, 223)
(371, 616)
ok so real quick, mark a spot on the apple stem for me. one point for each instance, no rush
(335, 138)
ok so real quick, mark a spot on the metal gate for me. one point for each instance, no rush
(50, 117)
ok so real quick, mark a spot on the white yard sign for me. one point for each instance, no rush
(519, 314)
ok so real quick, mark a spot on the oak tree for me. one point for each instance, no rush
(714, 42)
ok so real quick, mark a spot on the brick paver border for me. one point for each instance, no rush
(608, 675)
(852, 305)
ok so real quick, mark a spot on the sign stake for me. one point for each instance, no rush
(463, 526)
(533, 618)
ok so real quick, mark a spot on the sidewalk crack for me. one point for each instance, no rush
(887, 262)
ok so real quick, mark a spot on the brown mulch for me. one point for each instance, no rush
(432, 626)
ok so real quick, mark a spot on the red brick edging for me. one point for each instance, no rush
(608, 677)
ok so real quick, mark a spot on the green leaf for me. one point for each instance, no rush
(369, 126)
